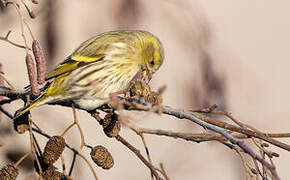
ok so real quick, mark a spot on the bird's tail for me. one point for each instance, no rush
(42, 99)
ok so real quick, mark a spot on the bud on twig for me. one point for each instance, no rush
(102, 157)
(30, 12)
(254, 171)
(40, 62)
(265, 145)
(275, 154)
(32, 74)
(8, 172)
(53, 149)
(34, 1)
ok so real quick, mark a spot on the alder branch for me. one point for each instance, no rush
(183, 115)
(197, 137)
(244, 131)
(213, 125)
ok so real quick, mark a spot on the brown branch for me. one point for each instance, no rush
(146, 150)
(7, 81)
(22, 27)
(216, 126)
(76, 121)
(30, 12)
(200, 121)
(67, 129)
(63, 164)
(139, 155)
(245, 163)
(195, 137)
(89, 164)
(164, 172)
(244, 131)
(22, 158)
(33, 147)
(14, 44)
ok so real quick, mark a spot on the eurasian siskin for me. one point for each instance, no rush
(104, 64)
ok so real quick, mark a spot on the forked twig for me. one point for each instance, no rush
(76, 121)
(11, 42)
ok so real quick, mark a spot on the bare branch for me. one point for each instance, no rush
(139, 155)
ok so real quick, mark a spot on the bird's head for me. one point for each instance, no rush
(152, 53)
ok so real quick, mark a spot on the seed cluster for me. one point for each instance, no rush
(52, 174)
(111, 124)
(143, 90)
(102, 157)
(53, 149)
(8, 172)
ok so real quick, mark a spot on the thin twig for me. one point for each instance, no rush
(67, 129)
(164, 172)
(22, 158)
(14, 44)
(146, 150)
(7, 81)
(239, 130)
(37, 145)
(245, 164)
(33, 148)
(182, 115)
(79, 127)
(38, 127)
(139, 155)
(63, 165)
(21, 25)
(27, 25)
(139, 133)
(72, 164)
(89, 164)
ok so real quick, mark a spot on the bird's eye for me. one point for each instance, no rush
(152, 62)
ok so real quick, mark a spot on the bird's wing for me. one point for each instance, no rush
(69, 65)
(91, 50)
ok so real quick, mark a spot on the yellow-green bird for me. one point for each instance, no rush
(104, 64)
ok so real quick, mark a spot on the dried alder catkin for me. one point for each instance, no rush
(8, 172)
(53, 149)
(52, 174)
(21, 124)
(111, 124)
(40, 62)
(102, 157)
(142, 89)
(32, 74)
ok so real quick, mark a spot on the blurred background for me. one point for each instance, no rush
(231, 53)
